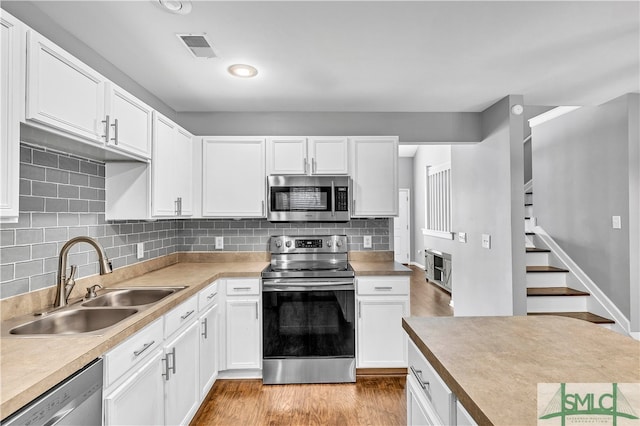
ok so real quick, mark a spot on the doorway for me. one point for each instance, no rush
(402, 228)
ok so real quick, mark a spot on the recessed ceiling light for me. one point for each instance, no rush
(181, 7)
(242, 70)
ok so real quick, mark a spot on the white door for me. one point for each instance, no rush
(402, 228)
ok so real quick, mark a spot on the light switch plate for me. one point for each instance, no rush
(486, 241)
(367, 241)
(462, 237)
(140, 250)
(219, 243)
(616, 222)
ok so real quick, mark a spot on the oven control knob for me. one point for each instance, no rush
(278, 244)
(329, 244)
(339, 243)
(288, 244)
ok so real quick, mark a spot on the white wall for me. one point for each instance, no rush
(405, 180)
(585, 170)
(488, 198)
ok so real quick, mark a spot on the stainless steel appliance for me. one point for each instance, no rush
(308, 311)
(309, 198)
(75, 401)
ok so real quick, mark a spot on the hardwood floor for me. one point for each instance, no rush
(372, 400)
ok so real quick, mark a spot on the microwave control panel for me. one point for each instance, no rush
(342, 202)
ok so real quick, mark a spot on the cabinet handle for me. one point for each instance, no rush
(211, 296)
(204, 325)
(257, 310)
(262, 209)
(175, 203)
(115, 131)
(241, 288)
(144, 348)
(186, 315)
(383, 288)
(424, 385)
(166, 367)
(180, 206)
(173, 356)
(106, 128)
(359, 309)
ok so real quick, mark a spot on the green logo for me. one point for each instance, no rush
(585, 401)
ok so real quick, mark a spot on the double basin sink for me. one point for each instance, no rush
(96, 314)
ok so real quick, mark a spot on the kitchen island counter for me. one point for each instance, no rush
(494, 364)
(32, 365)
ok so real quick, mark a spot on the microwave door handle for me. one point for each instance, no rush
(333, 199)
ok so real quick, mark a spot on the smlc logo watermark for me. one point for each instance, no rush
(616, 404)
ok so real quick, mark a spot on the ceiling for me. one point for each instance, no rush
(370, 56)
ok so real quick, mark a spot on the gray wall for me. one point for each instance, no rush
(530, 111)
(488, 198)
(634, 211)
(581, 172)
(408, 126)
(62, 196)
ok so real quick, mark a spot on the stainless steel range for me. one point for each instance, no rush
(308, 307)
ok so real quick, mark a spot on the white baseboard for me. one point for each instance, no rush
(419, 265)
(635, 335)
(612, 310)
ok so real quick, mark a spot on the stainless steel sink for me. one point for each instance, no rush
(74, 321)
(131, 297)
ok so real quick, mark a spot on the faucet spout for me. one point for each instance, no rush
(64, 284)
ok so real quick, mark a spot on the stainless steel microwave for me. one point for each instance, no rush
(309, 198)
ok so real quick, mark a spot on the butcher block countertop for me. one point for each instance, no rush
(494, 364)
(29, 366)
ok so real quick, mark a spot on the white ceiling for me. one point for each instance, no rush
(368, 55)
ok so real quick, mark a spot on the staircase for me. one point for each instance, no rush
(552, 289)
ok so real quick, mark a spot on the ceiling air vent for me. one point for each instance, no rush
(198, 45)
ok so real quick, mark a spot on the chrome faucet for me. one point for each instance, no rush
(65, 284)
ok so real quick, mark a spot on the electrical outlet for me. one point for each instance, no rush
(140, 250)
(462, 237)
(616, 222)
(367, 241)
(486, 241)
(219, 243)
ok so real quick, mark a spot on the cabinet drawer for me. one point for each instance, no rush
(207, 296)
(243, 287)
(180, 315)
(436, 391)
(383, 285)
(132, 351)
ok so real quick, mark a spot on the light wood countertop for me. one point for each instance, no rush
(493, 364)
(363, 268)
(29, 366)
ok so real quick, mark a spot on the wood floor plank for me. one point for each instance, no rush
(427, 299)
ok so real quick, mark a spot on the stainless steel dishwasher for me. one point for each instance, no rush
(75, 401)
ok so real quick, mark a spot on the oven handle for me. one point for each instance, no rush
(316, 286)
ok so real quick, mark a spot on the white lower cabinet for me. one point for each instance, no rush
(242, 324)
(209, 342)
(382, 302)
(429, 399)
(181, 376)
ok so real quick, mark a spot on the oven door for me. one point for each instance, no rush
(308, 319)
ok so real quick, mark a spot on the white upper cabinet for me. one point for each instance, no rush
(374, 169)
(12, 37)
(69, 98)
(233, 177)
(329, 155)
(63, 92)
(129, 122)
(171, 171)
(293, 155)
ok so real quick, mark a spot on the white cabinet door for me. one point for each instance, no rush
(12, 37)
(374, 168)
(381, 340)
(181, 386)
(243, 333)
(287, 155)
(140, 399)
(63, 92)
(419, 411)
(329, 155)
(130, 122)
(171, 171)
(233, 177)
(208, 349)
